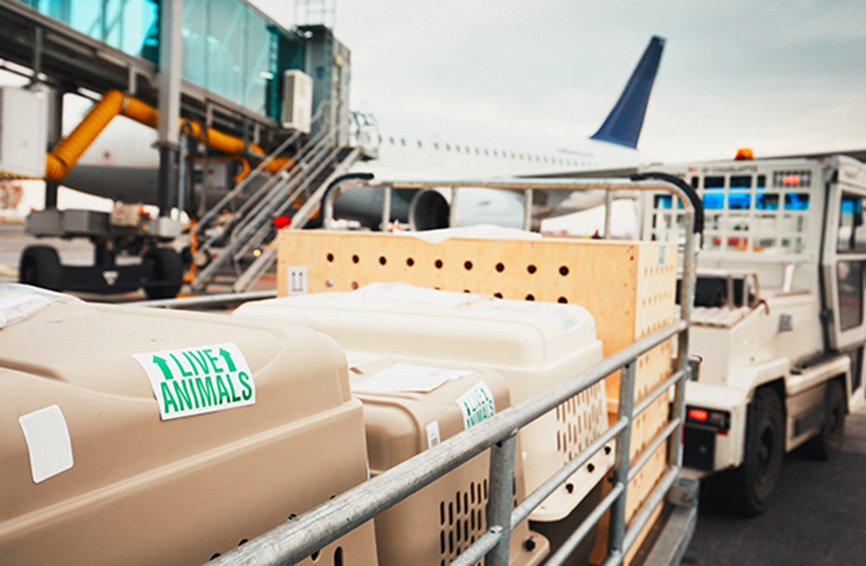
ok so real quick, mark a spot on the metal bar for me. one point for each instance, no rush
(537, 497)
(659, 391)
(207, 300)
(527, 209)
(386, 209)
(650, 450)
(585, 527)
(499, 504)
(620, 468)
(291, 542)
(478, 549)
(452, 210)
(608, 212)
(687, 301)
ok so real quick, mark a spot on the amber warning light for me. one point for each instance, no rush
(744, 154)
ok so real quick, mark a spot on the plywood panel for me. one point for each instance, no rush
(628, 287)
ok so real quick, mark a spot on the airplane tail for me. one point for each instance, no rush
(622, 126)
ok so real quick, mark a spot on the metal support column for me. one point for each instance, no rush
(55, 134)
(499, 504)
(616, 538)
(170, 42)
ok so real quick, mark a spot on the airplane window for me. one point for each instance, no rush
(495, 154)
(447, 147)
(486, 151)
(457, 148)
(420, 145)
(477, 151)
(391, 140)
(512, 155)
(403, 142)
(435, 145)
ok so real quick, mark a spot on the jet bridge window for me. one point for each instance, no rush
(851, 236)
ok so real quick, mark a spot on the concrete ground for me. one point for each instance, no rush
(818, 516)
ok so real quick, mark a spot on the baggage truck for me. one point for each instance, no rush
(777, 326)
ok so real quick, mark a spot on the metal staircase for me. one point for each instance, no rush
(230, 239)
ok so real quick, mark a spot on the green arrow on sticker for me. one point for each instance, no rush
(228, 358)
(163, 365)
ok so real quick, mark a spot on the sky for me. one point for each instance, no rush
(779, 77)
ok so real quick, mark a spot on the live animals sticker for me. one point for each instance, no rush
(476, 404)
(197, 380)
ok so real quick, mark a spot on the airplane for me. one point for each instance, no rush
(479, 153)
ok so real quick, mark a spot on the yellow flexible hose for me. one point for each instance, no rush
(66, 154)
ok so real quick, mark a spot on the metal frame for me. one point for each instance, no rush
(294, 540)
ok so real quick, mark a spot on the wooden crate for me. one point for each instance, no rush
(628, 287)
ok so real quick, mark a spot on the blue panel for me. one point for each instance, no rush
(714, 201)
(739, 201)
(767, 202)
(663, 201)
(796, 201)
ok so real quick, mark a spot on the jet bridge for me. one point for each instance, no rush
(251, 100)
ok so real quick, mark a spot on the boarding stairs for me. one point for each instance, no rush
(230, 239)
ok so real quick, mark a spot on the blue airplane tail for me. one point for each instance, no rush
(623, 125)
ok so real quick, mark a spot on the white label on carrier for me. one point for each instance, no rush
(408, 378)
(433, 437)
(196, 380)
(566, 317)
(476, 404)
(296, 280)
(48, 442)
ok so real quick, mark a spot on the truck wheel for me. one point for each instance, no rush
(827, 444)
(168, 272)
(40, 266)
(752, 484)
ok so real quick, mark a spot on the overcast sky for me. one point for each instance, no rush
(777, 76)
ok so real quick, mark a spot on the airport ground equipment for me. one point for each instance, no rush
(226, 88)
(138, 436)
(637, 490)
(438, 523)
(778, 323)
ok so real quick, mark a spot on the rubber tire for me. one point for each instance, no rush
(40, 266)
(168, 271)
(751, 486)
(827, 444)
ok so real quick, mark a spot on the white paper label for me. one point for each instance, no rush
(18, 302)
(48, 442)
(197, 380)
(296, 279)
(433, 438)
(476, 404)
(408, 378)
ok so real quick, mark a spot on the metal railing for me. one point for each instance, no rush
(298, 538)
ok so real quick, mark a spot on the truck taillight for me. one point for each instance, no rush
(720, 420)
(699, 415)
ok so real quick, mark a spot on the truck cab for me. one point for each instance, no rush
(778, 328)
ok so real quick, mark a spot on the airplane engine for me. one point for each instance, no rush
(430, 208)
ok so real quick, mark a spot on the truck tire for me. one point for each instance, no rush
(751, 486)
(827, 444)
(168, 271)
(40, 266)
